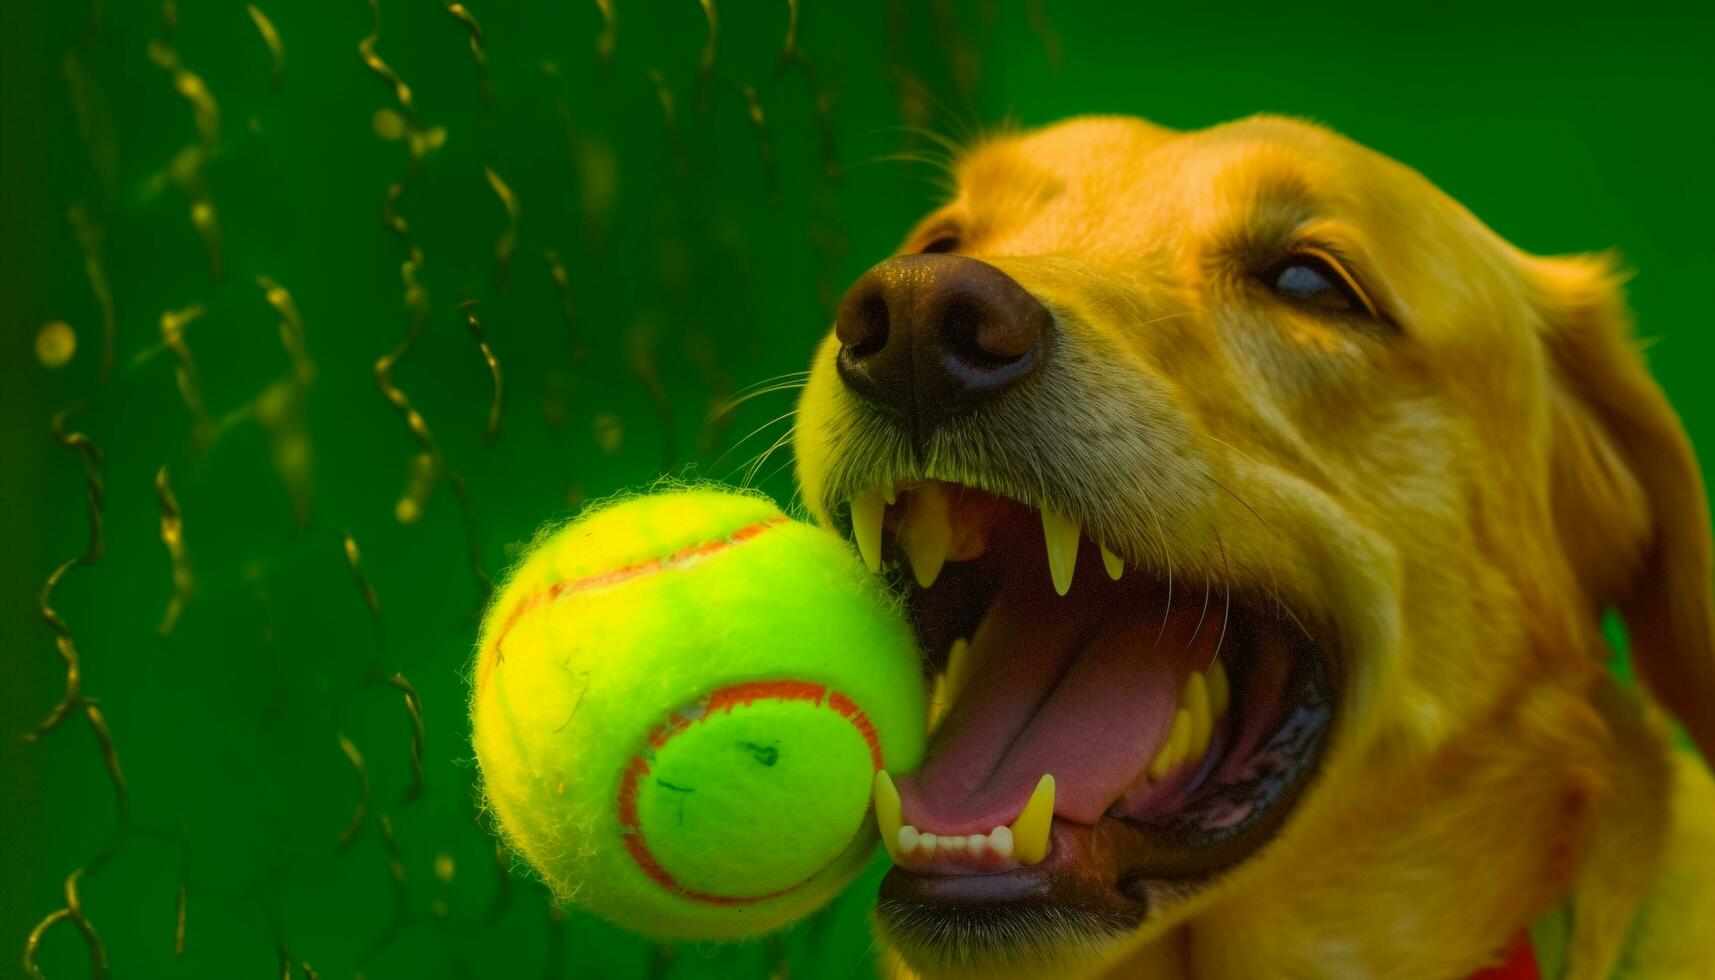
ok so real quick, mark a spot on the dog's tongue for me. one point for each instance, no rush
(1076, 686)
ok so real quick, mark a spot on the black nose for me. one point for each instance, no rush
(927, 336)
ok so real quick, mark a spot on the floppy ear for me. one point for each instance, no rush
(1629, 502)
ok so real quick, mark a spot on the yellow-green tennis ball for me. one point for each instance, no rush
(680, 702)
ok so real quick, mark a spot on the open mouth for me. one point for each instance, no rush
(1107, 738)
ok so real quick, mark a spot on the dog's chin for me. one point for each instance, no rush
(1100, 755)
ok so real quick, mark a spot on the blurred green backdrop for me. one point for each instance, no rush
(707, 194)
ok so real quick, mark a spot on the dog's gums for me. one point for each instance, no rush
(1258, 513)
(1095, 734)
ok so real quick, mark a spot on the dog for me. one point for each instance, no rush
(1258, 510)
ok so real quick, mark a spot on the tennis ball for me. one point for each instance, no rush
(679, 704)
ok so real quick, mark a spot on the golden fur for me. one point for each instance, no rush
(1459, 489)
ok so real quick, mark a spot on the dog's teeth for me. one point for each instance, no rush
(1113, 563)
(1030, 830)
(889, 815)
(976, 842)
(949, 682)
(1170, 753)
(1195, 699)
(926, 533)
(889, 494)
(937, 702)
(928, 842)
(955, 843)
(1000, 841)
(868, 508)
(1061, 535)
(958, 668)
(907, 840)
(1218, 691)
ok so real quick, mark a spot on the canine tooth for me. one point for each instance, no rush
(1030, 830)
(907, 842)
(927, 533)
(1113, 563)
(1169, 755)
(928, 842)
(867, 511)
(1218, 691)
(1000, 841)
(888, 812)
(937, 702)
(1061, 535)
(1195, 698)
(889, 494)
(958, 667)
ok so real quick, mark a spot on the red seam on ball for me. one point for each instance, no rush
(723, 701)
(678, 559)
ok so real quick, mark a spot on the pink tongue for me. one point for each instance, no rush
(1075, 686)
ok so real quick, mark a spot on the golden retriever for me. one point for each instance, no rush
(1259, 509)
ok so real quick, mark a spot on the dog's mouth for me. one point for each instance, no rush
(1108, 739)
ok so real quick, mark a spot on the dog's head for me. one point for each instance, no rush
(1244, 484)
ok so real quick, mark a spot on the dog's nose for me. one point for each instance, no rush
(926, 336)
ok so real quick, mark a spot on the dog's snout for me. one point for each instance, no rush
(925, 336)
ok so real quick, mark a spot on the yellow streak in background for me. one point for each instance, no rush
(89, 241)
(463, 15)
(73, 913)
(173, 537)
(468, 308)
(414, 709)
(430, 464)
(508, 241)
(173, 323)
(789, 49)
(90, 457)
(361, 811)
(270, 37)
(291, 329)
(706, 60)
(192, 89)
(353, 563)
(670, 120)
(94, 123)
(605, 42)
(764, 145)
(568, 307)
(366, 50)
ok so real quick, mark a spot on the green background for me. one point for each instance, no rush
(694, 268)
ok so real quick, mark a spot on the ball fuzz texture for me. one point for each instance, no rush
(679, 704)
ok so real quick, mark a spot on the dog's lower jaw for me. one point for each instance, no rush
(1572, 814)
(1159, 954)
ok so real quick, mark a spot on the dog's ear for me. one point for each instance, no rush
(1629, 502)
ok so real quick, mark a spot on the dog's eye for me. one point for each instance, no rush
(1312, 279)
(944, 242)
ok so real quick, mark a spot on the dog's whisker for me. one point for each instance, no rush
(764, 382)
(1242, 502)
(954, 148)
(786, 377)
(1167, 613)
(750, 474)
(1227, 608)
(753, 434)
(778, 470)
(727, 407)
(752, 461)
(1200, 616)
